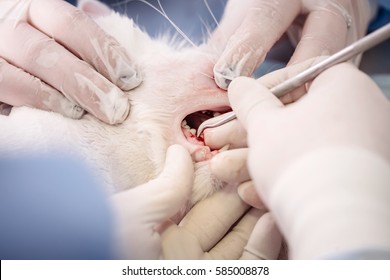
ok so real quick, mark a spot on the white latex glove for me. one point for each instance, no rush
(322, 164)
(229, 166)
(140, 211)
(144, 229)
(54, 57)
(206, 231)
(249, 29)
(266, 240)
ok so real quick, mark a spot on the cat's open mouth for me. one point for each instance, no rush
(192, 122)
(189, 127)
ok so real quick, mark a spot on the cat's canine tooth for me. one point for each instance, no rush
(193, 131)
(216, 114)
(183, 123)
(224, 148)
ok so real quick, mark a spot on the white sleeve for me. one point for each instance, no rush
(343, 203)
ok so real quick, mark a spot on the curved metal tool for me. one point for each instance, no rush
(360, 46)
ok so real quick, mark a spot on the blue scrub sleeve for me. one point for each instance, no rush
(51, 208)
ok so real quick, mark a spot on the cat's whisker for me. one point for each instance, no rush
(164, 14)
(209, 31)
(120, 3)
(206, 75)
(161, 7)
(211, 12)
(206, 27)
(173, 42)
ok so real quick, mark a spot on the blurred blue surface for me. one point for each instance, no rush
(51, 208)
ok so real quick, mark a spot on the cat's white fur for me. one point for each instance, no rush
(127, 155)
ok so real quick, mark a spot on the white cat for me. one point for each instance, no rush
(176, 82)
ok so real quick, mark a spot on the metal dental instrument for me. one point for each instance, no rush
(343, 55)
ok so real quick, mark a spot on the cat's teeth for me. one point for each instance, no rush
(216, 114)
(185, 125)
(204, 112)
(193, 131)
(224, 148)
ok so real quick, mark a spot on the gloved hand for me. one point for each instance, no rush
(48, 61)
(144, 230)
(206, 231)
(321, 165)
(141, 210)
(228, 166)
(265, 241)
(231, 166)
(249, 29)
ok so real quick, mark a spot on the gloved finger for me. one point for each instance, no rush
(247, 193)
(265, 241)
(325, 30)
(62, 21)
(263, 25)
(179, 244)
(277, 77)
(18, 88)
(231, 133)
(141, 210)
(250, 100)
(232, 245)
(32, 51)
(230, 166)
(330, 26)
(166, 194)
(210, 219)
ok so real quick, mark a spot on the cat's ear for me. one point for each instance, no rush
(93, 8)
